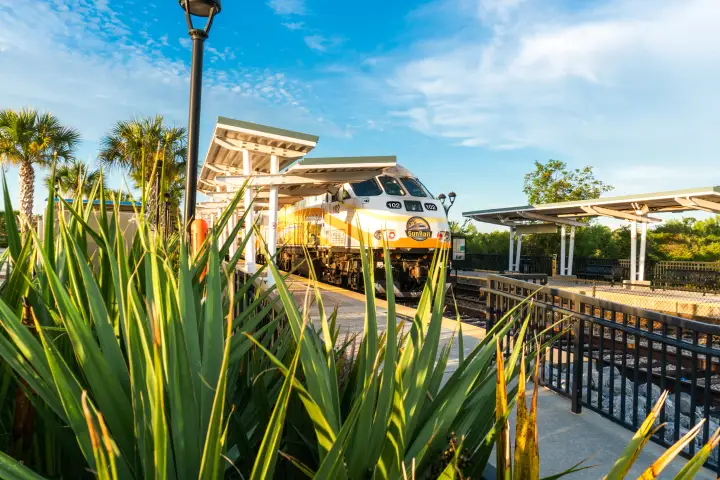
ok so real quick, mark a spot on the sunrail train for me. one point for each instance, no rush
(394, 204)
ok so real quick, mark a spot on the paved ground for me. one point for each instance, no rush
(565, 439)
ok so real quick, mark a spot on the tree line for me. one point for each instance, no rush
(685, 239)
(147, 150)
(553, 181)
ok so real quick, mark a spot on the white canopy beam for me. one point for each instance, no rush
(607, 212)
(552, 219)
(240, 145)
(264, 180)
(498, 221)
(285, 192)
(225, 169)
(706, 204)
(686, 202)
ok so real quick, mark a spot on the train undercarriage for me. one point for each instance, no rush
(343, 267)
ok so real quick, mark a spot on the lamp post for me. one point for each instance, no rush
(442, 199)
(204, 9)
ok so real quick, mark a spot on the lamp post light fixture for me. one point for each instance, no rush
(203, 9)
(451, 196)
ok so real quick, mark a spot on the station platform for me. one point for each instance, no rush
(688, 304)
(565, 438)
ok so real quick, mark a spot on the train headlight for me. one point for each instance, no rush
(443, 235)
(379, 234)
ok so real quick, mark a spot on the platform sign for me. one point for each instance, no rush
(458, 248)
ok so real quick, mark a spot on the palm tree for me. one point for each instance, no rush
(118, 194)
(74, 177)
(150, 152)
(29, 138)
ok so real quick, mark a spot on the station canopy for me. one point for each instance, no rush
(223, 171)
(628, 207)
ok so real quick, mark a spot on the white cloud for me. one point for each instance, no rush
(316, 42)
(500, 8)
(80, 63)
(628, 80)
(321, 43)
(294, 25)
(288, 7)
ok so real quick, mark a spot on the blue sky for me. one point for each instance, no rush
(467, 93)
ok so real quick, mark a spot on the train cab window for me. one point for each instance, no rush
(413, 187)
(368, 188)
(427, 190)
(392, 186)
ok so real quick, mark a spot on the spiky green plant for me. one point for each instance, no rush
(138, 369)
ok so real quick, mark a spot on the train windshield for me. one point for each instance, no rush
(413, 187)
(368, 188)
(391, 186)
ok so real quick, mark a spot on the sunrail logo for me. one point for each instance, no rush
(418, 229)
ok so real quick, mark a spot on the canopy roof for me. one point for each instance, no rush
(231, 137)
(222, 172)
(307, 177)
(626, 207)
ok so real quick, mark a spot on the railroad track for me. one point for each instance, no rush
(470, 301)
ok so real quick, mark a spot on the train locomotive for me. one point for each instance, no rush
(394, 205)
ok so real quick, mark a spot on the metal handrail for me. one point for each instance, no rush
(670, 320)
(601, 363)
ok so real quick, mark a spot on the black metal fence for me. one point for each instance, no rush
(491, 262)
(678, 275)
(617, 360)
(702, 276)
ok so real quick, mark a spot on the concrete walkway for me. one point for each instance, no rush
(565, 438)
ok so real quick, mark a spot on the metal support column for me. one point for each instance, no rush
(571, 253)
(633, 251)
(563, 234)
(273, 216)
(517, 254)
(512, 245)
(249, 217)
(643, 243)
